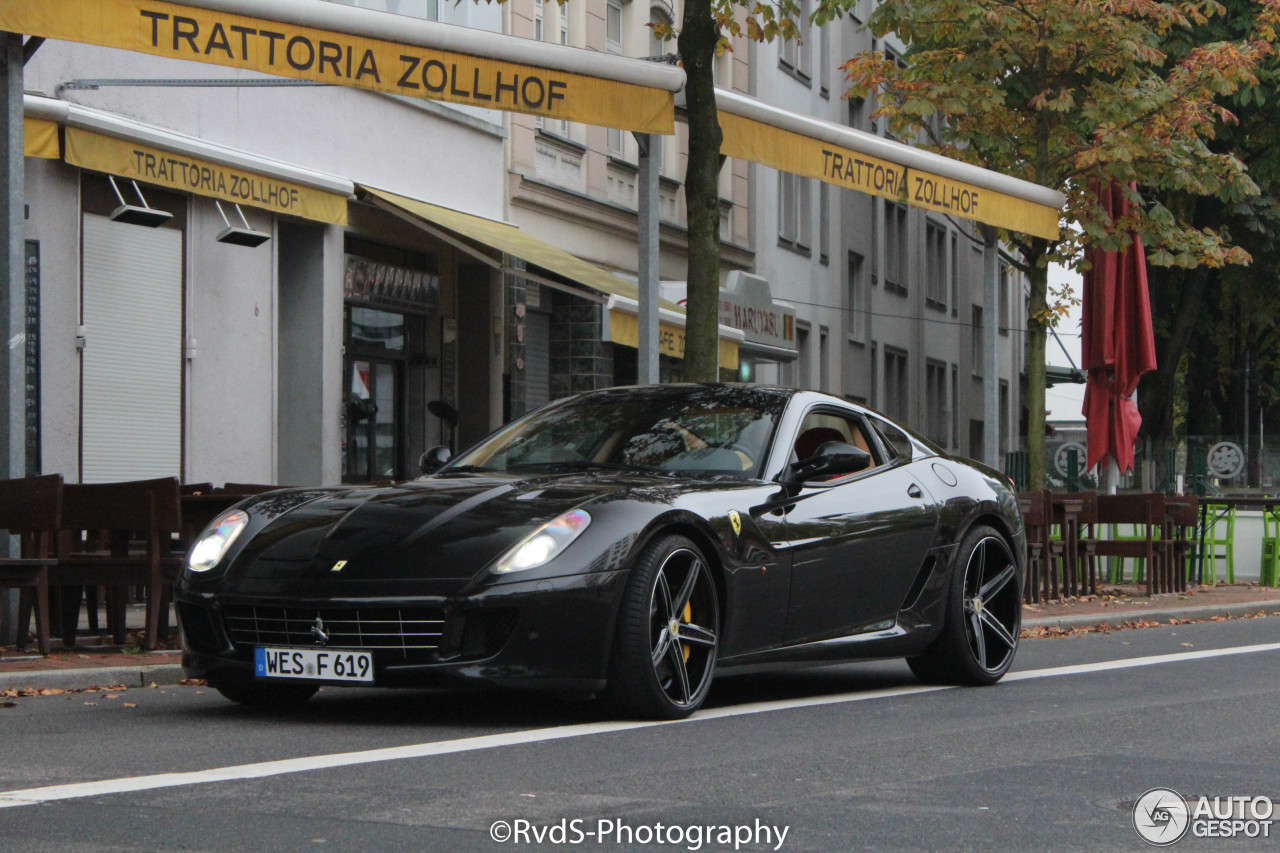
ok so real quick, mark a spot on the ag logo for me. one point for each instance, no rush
(1161, 817)
(736, 521)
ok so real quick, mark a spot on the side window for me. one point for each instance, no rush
(820, 427)
(897, 441)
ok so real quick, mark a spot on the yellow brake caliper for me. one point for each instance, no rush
(688, 619)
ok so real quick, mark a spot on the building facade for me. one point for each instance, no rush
(890, 304)
(419, 280)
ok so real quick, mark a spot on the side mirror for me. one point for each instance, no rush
(434, 459)
(832, 459)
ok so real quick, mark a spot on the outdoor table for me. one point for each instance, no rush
(1269, 504)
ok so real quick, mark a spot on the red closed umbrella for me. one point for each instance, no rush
(1118, 346)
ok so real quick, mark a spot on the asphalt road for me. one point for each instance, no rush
(854, 757)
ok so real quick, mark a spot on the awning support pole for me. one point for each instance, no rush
(12, 302)
(647, 269)
(991, 349)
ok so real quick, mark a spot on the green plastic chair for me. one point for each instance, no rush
(1270, 549)
(1219, 543)
(1115, 568)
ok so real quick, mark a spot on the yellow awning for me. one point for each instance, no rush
(127, 159)
(624, 328)
(41, 139)
(513, 241)
(811, 157)
(287, 49)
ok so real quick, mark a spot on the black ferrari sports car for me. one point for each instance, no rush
(628, 542)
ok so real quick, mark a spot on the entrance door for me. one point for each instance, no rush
(373, 421)
(131, 369)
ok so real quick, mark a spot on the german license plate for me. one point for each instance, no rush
(314, 664)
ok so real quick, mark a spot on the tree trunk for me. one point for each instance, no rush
(1037, 342)
(697, 44)
(1158, 406)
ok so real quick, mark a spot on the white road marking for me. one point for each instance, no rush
(33, 796)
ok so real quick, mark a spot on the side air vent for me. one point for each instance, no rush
(917, 586)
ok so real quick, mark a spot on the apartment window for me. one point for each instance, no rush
(895, 246)
(824, 62)
(657, 47)
(895, 383)
(824, 222)
(975, 340)
(955, 406)
(795, 57)
(794, 212)
(935, 259)
(539, 122)
(824, 359)
(856, 286)
(856, 107)
(1005, 301)
(936, 401)
(953, 274)
(612, 26)
(875, 376)
(613, 44)
(1003, 441)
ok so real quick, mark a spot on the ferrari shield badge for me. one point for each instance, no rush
(337, 567)
(736, 521)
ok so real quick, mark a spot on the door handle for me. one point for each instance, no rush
(914, 491)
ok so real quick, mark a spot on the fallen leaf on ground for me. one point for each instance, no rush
(8, 704)
(131, 704)
(1188, 645)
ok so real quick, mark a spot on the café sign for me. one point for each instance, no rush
(747, 304)
(239, 36)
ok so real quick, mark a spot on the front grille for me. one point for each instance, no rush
(410, 630)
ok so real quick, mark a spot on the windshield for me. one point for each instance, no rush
(724, 430)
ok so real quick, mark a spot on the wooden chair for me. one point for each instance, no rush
(1042, 550)
(31, 509)
(1146, 512)
(119, 535)
(1182, 518)
(1085, 542)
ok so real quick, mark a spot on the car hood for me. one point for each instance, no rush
(434, 529)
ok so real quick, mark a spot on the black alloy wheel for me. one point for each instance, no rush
(668, 633)
(984, 616)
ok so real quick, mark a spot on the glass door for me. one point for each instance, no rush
(372, 446)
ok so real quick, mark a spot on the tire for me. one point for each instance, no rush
(667, 636)
(983, 616)
(276, 696)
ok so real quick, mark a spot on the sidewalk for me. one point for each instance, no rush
(95, 663)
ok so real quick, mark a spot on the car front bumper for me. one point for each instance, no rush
(551, 634)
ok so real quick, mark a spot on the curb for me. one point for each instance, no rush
(102, 676)
(1199, 613)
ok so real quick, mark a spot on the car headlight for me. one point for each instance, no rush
(544, 544)
(216, 539)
